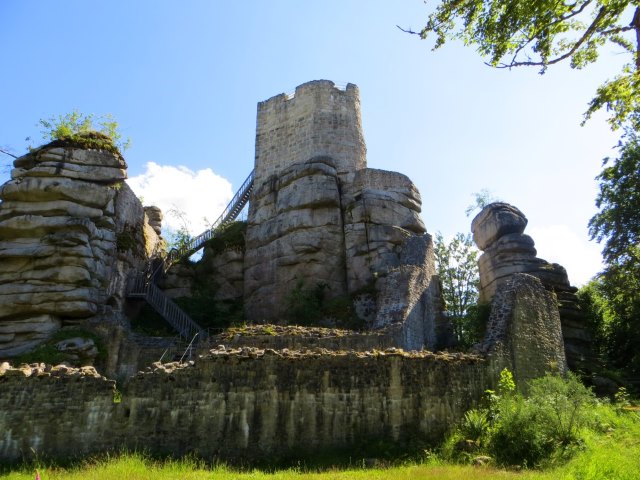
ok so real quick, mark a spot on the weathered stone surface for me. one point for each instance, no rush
(382, 210)
(57, 188)
(408, 296)
(228, 273)
(155, 216)
(319, 217)
(239, 404)
(70, 232)
(294, 234)
(496, 220)
(524, 332)
(19, 335)
(179, 281)
(498, 230)
(79, 348)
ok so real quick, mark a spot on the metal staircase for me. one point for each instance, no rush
(142, 285)
(229, 214)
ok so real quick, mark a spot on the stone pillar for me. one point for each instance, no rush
(498, 231)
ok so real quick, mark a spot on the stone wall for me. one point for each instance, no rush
(240, 404)
(319, 120)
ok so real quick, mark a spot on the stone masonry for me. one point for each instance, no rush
(319, 216)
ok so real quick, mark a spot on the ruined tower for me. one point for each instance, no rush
(320, 119)
(320, 217)
(295, 238)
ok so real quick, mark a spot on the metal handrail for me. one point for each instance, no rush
(140, 287)
(229, 214)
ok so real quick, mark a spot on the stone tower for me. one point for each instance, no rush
(319, 217)
(319, 120)
(304, 145)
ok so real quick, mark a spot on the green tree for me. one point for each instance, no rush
(618, 221)
(457, 267)
(480, 200)
(180, 238)
(613, 299)
(514, 33)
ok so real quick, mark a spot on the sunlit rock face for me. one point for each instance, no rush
(524, 331)
(498, 230)
(319, 217)
(70, 231)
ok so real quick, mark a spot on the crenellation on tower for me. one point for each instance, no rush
(320, 119)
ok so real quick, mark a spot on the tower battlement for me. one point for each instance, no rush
(320, 119)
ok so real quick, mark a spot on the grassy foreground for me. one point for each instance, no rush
(610, 450)
(613, 456)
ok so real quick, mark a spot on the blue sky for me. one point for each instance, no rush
(183, 80)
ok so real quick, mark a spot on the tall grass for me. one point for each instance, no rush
(610, 450)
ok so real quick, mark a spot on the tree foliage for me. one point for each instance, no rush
(457, 267)
(76, 124)
(618, 221)
(480, 200)
(514, 33)
(612, 301)
(526, 430)
(612, 305)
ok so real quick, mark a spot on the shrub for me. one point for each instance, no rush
(81, 129)
(561, 405)
(526, 431)
(475, 425)
(304, 305)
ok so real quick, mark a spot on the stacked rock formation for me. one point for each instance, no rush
(295, 233)
(70, 231)
(319, 217)
(498, 232)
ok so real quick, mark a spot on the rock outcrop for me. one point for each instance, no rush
(295, 234)
(320, 219)
(155, 216)
(524, 332)
(498, 230)
(70, 232)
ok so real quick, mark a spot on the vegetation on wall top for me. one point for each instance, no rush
(76, 129)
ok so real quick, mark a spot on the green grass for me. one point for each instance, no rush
(139, 468)
(611, 451)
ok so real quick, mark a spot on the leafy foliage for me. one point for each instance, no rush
(513, 33)
(480, 200)
(618, 221)
(515, 429)
(457, 267)
(229, 236)
(612, 301)
(77, 127)
(305, 305)
(310, 307)
(180, 237)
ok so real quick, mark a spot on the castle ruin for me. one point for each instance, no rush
(72, 236)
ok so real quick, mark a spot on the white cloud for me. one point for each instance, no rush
(559, 244)
(197, 194)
